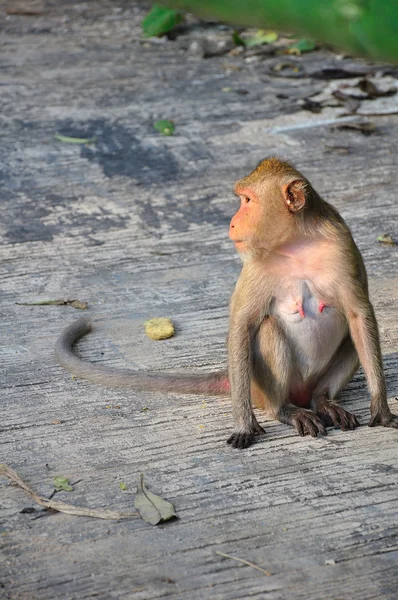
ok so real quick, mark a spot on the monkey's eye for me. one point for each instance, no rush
(245, 199)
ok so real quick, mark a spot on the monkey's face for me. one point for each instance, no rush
(266, 217)
(245, 223)
(258, 219)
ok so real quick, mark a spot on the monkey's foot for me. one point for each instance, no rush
(333, 415)
(243, 438)
(384, 419)
(307, 422)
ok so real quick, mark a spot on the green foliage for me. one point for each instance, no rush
(160, 21)
(362, 27)
(164, 127)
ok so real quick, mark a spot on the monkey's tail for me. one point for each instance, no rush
(196, 383)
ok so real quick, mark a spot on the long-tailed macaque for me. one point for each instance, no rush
(300, 317)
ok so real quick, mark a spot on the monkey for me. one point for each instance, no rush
(300, 323)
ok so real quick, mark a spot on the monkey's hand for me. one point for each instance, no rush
(333, 415)
(242, 438)
(384, 419)
(306, 422)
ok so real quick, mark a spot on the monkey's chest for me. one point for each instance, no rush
(314, 329)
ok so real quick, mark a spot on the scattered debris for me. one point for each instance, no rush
(336, 73)
(311, 105)
(330, 561)
(301, 46)
(68, 509)
(160, 21)
(245, 562)
(260, 38)
(62, 484)
(372, 91)
(123, 486)
(159, 328)
(387, 239)
(350, 103)
(287, 69)
(74, 303)
(28, 8)
(164, 127)
(343, 150)
(152, 508)
(74, 140)
(364, 127)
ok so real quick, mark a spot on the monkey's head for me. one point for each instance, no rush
(272, 199)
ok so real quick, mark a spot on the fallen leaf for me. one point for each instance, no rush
(56, 422)
(74, 140)
(152, 508)
(62, 484)
(351, 104)
(28, 8)
(74, 303)
(386, 239)
(122, 486)
(287, 69)
(336, 73)
(159, 328)
(343, 150)
(311, 105)
(237, 39)
(160, 20)
(366, 127)
(164, 127)
(372, 91)
(261, 37)
(69, 509)
(303, 45)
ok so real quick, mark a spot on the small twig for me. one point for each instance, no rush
(245, 562)
(69, 509)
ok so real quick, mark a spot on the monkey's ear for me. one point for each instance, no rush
(294, 193)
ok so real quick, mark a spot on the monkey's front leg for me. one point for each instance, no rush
(365, 335)
(239, 349)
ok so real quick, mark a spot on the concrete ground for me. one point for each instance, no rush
(136, 224)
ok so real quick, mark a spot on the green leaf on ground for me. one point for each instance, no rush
(261, 37)
(74, 140)
(123, 486)
(164, 127)
(62, 483)
(237, 39)
(303, 45)
(386, 239)
(152, 508)
(160, 20)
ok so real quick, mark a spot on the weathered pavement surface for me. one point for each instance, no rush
(136, 225)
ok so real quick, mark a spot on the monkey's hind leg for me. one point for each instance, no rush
(344, 364)
(273, 366)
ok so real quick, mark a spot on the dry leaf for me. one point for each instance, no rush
(74, 303)
(386, 239)
(152, 508)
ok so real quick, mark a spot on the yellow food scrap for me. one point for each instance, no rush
(159, 328)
